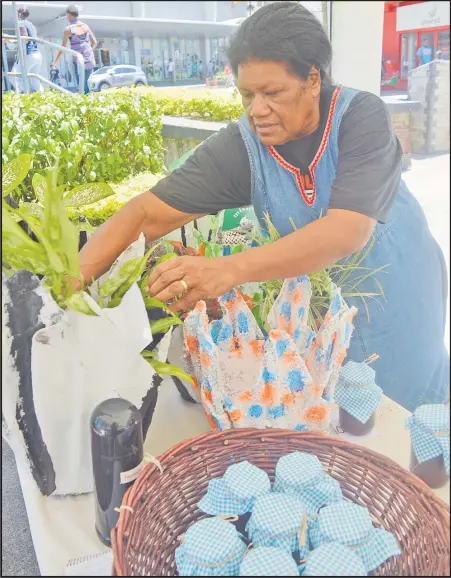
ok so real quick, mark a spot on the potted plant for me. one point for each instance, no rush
(65, 349)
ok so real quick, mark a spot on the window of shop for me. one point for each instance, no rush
(425, 52)
(218, 50)
(111, 51)
(155, 58)
(408, 53)
(187, 58)
(443, 45)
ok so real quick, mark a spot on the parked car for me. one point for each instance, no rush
(115, 76)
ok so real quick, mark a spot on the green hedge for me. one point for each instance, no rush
(104, 137)
(99, 137)
(200, 107)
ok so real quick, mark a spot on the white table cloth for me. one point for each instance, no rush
(63, 528)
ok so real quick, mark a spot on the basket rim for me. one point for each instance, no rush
(238, 436)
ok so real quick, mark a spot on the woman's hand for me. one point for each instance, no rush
(204, 278)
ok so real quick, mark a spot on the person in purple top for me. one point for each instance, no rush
(81, 40)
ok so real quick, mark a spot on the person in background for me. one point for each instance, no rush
(210, 69)
(201, 70)
(33, 57)
(81, 40)
(195, 69)
(171, 69)
(425, 53)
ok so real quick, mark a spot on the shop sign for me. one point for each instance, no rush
(422, 15)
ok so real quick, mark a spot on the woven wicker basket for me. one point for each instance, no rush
(160, 507)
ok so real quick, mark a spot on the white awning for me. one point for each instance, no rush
(50, 20)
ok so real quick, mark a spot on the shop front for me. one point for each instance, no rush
(414, 34)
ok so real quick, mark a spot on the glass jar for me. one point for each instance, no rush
(432, 472)
(353, 426)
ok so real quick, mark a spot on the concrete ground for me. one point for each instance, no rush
(429, 181)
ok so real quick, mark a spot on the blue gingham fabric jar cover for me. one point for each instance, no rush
(301, 475)
(280, 521)
(236, 491)
(357, 392)
(268, 562)
(211, 547)
(350, 525)
(429, 432)
(333, 560)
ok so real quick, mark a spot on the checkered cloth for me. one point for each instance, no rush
(268, 562)
(429, 432)
(356, 391)
(301, 475)
(235, 493)
(333, 560)
(279, 520)
(211, 547)
(350, 525)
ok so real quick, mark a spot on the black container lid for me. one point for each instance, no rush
(114, 416)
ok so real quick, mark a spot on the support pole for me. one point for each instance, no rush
(5, 67)
(20, 49)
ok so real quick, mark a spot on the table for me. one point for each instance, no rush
(63, 528)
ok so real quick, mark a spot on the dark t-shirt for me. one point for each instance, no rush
(217, 175)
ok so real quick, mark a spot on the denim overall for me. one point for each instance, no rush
(406, 325)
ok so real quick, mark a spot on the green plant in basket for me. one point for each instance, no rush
(347, 274)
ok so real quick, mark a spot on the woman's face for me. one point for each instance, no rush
(279, 105)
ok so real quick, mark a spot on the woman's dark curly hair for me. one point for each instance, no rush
(285, 32)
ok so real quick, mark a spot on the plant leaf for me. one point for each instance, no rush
(39, 184)
(152, 303)
(57, 229)
(87, 195)
(165, 258)
(146, 353)
(78, 303)
(163, 325)
(14, 173)
(167, 369)
(83, 226)
(127, 271)
(33, 210)
(18, 250)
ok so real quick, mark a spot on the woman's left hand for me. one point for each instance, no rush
(204, 278)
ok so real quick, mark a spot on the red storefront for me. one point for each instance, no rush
(406, 26)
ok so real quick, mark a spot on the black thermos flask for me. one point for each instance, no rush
(117, 458)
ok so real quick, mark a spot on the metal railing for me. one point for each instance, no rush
(26, 75)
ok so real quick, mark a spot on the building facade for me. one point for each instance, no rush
(193, 35)
(407, 27)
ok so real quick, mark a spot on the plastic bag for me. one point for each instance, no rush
(58, 365)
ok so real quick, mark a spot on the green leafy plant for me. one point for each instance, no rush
(55, 253)
(76, 198)
(347, 274)
(95, 138)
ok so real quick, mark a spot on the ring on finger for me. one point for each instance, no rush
(184, 285)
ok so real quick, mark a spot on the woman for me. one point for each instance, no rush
(325, 157)
(81, 40)
(32, 55)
